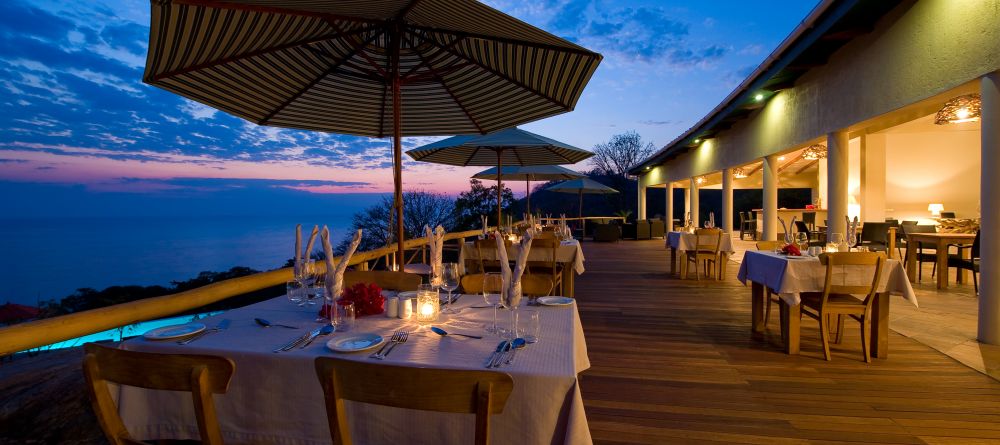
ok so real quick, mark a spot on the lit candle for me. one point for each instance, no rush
(832, 247)
(427, 310)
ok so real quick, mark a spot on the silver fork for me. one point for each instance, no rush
(401, 340)
(392, 340)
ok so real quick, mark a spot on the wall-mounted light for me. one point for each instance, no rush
(814, 152)
(967, 108)
(739, 173)
(781, 158)
(647, 168)
(935, 209)
(697, 141)
(759, 97)
(700, 180)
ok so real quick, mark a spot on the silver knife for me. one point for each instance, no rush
(222, 326)
(297, 341)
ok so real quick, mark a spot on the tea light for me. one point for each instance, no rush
(428, 306)
(832, 247)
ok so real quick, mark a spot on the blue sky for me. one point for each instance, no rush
(75, 116)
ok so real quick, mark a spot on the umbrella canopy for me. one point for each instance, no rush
(512, 146)
(12, 312)
(376, 68)
(528, 174)
(581, 186)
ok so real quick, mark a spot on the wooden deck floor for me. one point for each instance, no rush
(673, 362)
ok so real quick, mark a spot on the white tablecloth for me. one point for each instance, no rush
(275, 398)
(790, 276)
(685, 241)
(569, 252)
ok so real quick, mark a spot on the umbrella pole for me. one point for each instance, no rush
(527, 190)
(499, 189)
(397, 153)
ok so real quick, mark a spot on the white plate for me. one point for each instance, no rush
(554, 301)
(354, 343)
(174, 331)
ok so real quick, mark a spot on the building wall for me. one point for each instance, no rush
(916, 52)
(932, 167)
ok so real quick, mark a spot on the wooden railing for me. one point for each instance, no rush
(47, 331)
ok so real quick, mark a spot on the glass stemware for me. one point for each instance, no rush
(450, 280)
(852, 241)
(802, 239)
(492, 288)
(306, 276)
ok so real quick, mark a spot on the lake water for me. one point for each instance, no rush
(49, 258)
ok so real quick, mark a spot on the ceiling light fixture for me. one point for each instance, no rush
(781, 158)
(700, 180)
(697, 141)
(759, 97)
(739, 173)
(814, 152)
(967, 108)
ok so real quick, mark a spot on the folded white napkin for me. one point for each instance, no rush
(505, 272)
(335, 275)
(435, 241)
(852, 228)
(302, 256)
(483, 218)
(513, 296)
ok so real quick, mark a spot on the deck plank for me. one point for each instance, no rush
(673, 362)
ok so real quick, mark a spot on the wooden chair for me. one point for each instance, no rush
(704, 254)
(202, 375)
(548, 249)
(386, 279)
(840, 300)
(531, 285)
(769, 246)
(489, 246)
(441, 390)
(550, 228)
(971, 263)
(545, 235)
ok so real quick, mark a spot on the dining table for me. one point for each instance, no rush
(789, 276)
(276, 398)
(940, 242)
(569, 255)
(687, 241)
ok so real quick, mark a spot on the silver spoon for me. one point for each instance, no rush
(515, 345)
(500, 347)
(443, 333)
(326, 330)
(268, 324)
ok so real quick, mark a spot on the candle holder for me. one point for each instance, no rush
(428, 304)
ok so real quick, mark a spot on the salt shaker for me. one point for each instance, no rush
(392, 308)
(405, 308)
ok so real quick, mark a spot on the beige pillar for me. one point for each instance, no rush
(822, 179)
(642, 200)
(694, 202)
(837, 166)
(727, 200)
(989, 196)
(687, 205)
(872, 194)
(669, 209)
(769, 229)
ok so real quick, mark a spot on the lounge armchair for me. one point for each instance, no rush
(606, 232)
(642, 229)
(657, 228)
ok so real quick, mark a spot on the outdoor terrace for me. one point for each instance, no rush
(673, 362)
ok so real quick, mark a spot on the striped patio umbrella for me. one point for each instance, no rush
(581, 186)
(528, 174)
(372, 68)
(512, 146)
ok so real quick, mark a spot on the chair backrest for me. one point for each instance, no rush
(545, 235)
(800, 226)
(709, 240)
(907, 223)
(769, 245)
(809, 217)
(743, 218)
(534, 285)
(917, 228)
(549, 228)
(489, 246)
(948, 215)
(386, 279)
(547, 248)
(202, 375)
(441, 390)
(975, 245)
(875, 232)
(835, 259)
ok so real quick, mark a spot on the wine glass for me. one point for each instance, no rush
(492, 288)
(306, 276)
(802, 239)
(852, 241)
(449, 282)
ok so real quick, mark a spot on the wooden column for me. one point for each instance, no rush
(642, 200)
(669, 209)
(694, 202)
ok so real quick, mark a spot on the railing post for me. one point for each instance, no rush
(891, 245)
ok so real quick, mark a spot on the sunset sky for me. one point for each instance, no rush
(76, 118)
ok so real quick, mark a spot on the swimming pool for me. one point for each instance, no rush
(127, 331)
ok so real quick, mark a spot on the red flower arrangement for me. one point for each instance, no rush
(367, 299)
(791, 250)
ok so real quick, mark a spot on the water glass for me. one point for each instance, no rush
(343, 318)
(295, 291)
(529, 325)
(802, 239)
